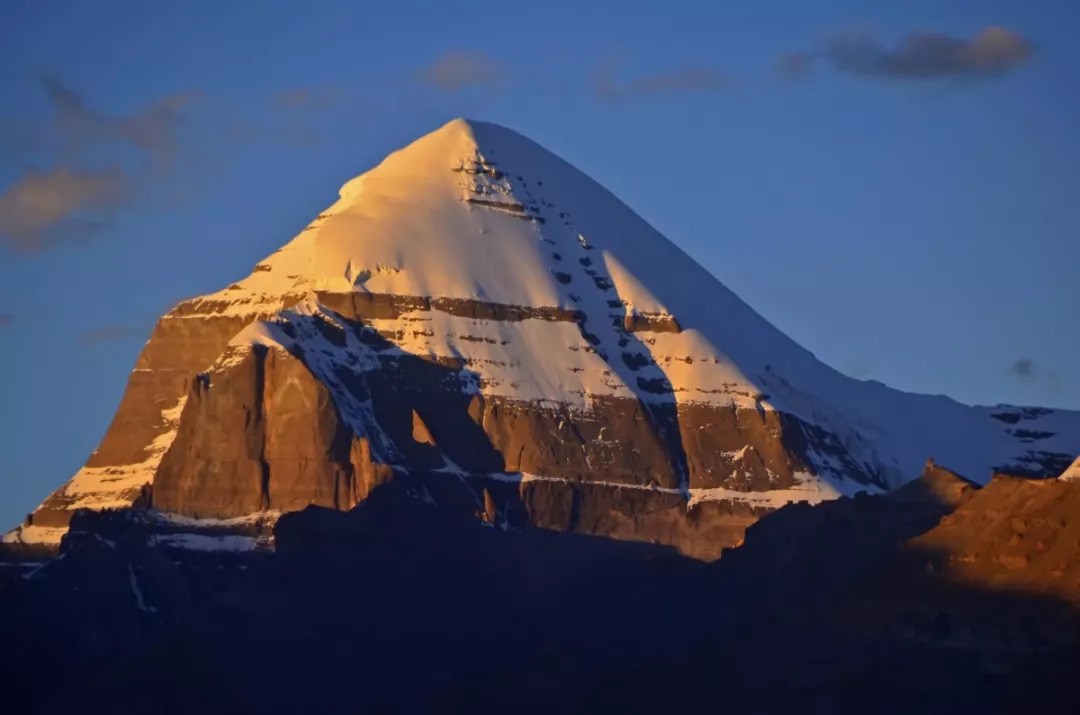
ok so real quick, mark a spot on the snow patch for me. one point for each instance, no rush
(35, 535)
(114, 487)
(261, 517)
(140, 602)
(810, 488)
(205, 542)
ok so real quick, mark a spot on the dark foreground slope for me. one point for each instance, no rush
(397, 606)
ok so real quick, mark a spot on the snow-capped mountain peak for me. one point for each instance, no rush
(477, 289)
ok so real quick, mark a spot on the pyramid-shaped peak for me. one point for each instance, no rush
(480, 271)
(476, 211)
(475, 134)
(475, 130)
(1072, 474)
(470, 130)
(459, 144)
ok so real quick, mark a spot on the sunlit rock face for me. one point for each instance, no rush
(476, 310)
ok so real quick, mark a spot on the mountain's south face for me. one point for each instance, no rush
(477, 312)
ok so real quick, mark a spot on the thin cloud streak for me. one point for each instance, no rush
(459, 70)
(110, 333)
(686, 80)
(993, 52)
(305, 98)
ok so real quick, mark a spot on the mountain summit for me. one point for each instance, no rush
(477, 312)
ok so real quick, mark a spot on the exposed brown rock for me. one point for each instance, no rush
(1014, 533)
(936, 485)
(420, 431)
(266, 433)
(367, 474)
(614, 442)
(263, 434)
(360, 306)
(179, 348)
(650, 323)
(490, 514)
(702, 530)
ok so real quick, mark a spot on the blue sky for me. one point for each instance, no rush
(908, 212)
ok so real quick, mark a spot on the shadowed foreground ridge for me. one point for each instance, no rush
(479, 436)
(878, 602)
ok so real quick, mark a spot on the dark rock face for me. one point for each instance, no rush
(263, 435)
(180, 348)
(266, 433)
(614, 442)
(702, 530)
(650, 323)
(184, 342)
(271, 432)
(370, 306)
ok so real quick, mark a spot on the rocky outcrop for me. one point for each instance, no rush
(263, 435)
(183, 344)
(701, 530)
(263, 432)
(1013, 534)
(936, 486)
(266, 432)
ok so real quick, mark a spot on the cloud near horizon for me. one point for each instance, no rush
(459, 70)
(992, 52)
(109, 333)
(688, 79)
